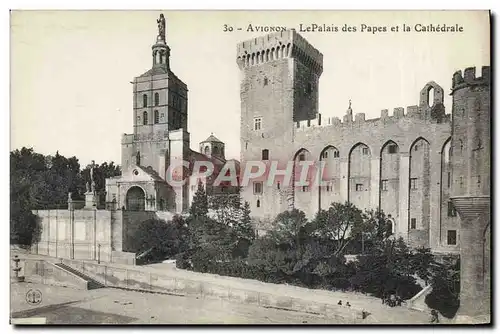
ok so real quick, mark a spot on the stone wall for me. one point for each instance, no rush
(121, 277)
(75, 234)
(105, 235)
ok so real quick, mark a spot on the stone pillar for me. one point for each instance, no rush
(435, 199)
(375, 184)
(344, 179)
(474, 212)
(404, 194)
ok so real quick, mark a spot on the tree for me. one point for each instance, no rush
(226, 208)
(376, 226)
(386, 269)
(445, 282)
(422, 262)
(341, 223)
(289, 228)
(199, 207)
(243, 227)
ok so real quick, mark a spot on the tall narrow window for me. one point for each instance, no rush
(144, 100)
(258, 203)
(336, 154)
(413, 223)
(265, 154)
(384, 185)
(413, 183)
(449, 179)
(325, 155)
(157, 99)
(257, 123)
(145, 118)
(157, 117)
(452, 237)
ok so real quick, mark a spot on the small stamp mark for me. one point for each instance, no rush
(34, 296)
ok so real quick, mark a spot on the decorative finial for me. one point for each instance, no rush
(161, 27)
(349, 103)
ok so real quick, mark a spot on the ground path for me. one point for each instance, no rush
(379, 313)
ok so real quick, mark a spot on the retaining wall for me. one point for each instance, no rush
(125, 278)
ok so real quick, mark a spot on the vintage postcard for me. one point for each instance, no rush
(250, 167)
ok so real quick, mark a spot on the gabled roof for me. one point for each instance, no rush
(152, 173)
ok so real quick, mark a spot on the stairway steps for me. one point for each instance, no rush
(91, 283)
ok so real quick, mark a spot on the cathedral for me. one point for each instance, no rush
(161, 139)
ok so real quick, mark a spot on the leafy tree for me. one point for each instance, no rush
(289, 228)
(199, 207)
(386, 270)
(226, 208)
(445, 282)
(422, 262)
(341, 223)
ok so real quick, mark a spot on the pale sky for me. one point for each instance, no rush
(71, 70)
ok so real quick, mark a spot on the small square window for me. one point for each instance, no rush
(384, 185)
(413, 223)
(413, 183)
(305, 188)
(365, 150)
(257, 187)
(359, 187)
(302, 157)
(452, 237)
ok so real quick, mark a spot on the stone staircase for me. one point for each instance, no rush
(91, 283)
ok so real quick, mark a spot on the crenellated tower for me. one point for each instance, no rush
(470, 192)
(279, 86)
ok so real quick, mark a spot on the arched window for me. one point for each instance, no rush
(144, 100)
(258, 203)
(215, 150)
(157, 117)
(157, 99)
(145, 118)
(265, 154)
(207, 150)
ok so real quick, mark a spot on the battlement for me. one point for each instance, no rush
(279, 45)
(127, 139)
(411, 113)
(469, 78)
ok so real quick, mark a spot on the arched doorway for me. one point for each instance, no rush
(136, 199)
